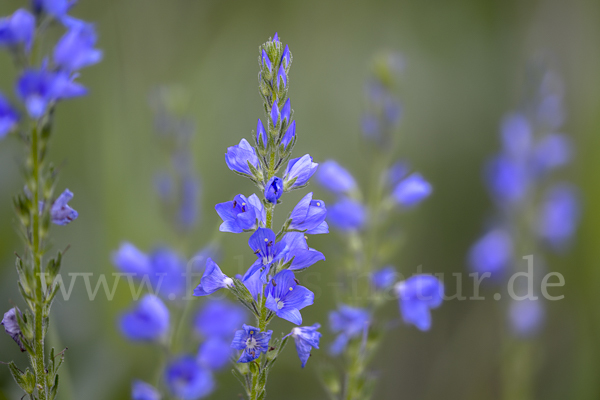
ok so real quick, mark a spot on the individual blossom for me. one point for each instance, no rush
(281, 79)
(526, 317)
(298, 172)
(147, 321)
(274, 190)
(286, 298)
(55, 8)
(296, 253)
(11, 326)
(411, 190)
(507, 180)
(76, 49)
(143, 391)
(187, 379)
(275, 114)
(265, 60)
(306, 338)
(261, 134)
(347, 215)
(8, 117)
(492, 253)
(238, 157)
(167, 272)
(335, 178)
(348, 322)
(60, 212)
(17, 30)
(384, 278)
(559, 215)
(289, 135)
(262, 242)
(241, 214)
(309, 216)
(555, 150)
(214, 353)
(417, 296)
(252, 341)
(286, 57)
(219, 318)
(286, 110)
(212, 280)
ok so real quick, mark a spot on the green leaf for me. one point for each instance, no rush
(54, 389)
(242, 379)
(25, 380)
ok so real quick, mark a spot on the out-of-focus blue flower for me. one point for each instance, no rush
(60, 212)
(219, 318)
(526, 317)
(274, 189)
(384, 278)
(286, 110)
(306, 338)
(11, 326)
(275, 115)
(212, 280)
(301, 169)
(130, 260)
(148, 321)
(492, 253)
(559, 215)
(75, 50)
(412, 190)
(265, 60)
(289, 135)
(507, 180)
(188, 205)
(347, 215)
(167, 270)
(553, 151)
(295, 250)
(238, 157)
(262, 242)
(417, 296)
(517, 135)
(309, 216)
(143, 391)
(281, 79)
(261, 135)
(286, 298)
(187, 379)
(286, 57)
(56, 8)
(8, 117)
(252, 341)
(348, 322)
(398, 171)
(335, 178)
(241, 214)
(17, 30)
(214, 353)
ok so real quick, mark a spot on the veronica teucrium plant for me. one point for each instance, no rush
(365, 219)
(270, 287)
(46, 76)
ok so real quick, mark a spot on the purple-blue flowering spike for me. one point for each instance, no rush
(559, 216)
(143, 391)
(335, 178)
(412, 190)
(553, 151)
(212, 280)
(286, 111)
(17, 30)
(306, 338)
(148, 321)
(286, 298)
(11, 326)
(187, 379)
(286, 57)
(526, 317)
(370, 126)
(309, 216)
(392, 111)
(238, 157)
(347, 215)
(384, 278)
(275, 116)
(219, 318)
(266, 61)
(261, 135)
(274, 189)
(252, 341)
(517, 135)
(75, 50)
(214, 353)
(295, 249)
(130, 260)
(289, 135)
(60, 212)
(241, 214)
(417, 296)
(8, 117)
(281, 79)
(348, 322)
(492, 253)
(301, 169)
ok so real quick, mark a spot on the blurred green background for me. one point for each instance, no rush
(465, 63)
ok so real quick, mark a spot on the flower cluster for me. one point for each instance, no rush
(270, 286)
(535, 212)
(43, 81)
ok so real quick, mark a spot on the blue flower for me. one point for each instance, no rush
(392, 111)
(553, 151)
(306, 338)
(349, 322)
(187, 379)
(8, 117)
(241, 214)
(130, 260)
(252, 341)
(275, 116)
(559, 216)
(167, 272)
(286, 298)
(75, 50)
(398, 171)
(286, 111)
(275, 38)
(299, 171)
(335, 178)
(347, 215)
(148, 321)
(219, 318)
(253, 283)
(289, 135)
(508, 181)
(517, 136)
(265, 60)
(261, 135)
(309, 216)
(384, 278)
(238, 157)
(526, 317)
(411, 190)
(212, 280)
(17, 30)
(214, 353)
(281, 78)
(274, 189)
(492, 253)
(143, 391)
(286, 58)
(295, 250)
(11, 326)
(417, 296)
(60, 212)
(56, 8)
(262, 242)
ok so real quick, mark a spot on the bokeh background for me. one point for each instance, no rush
(465, 67)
